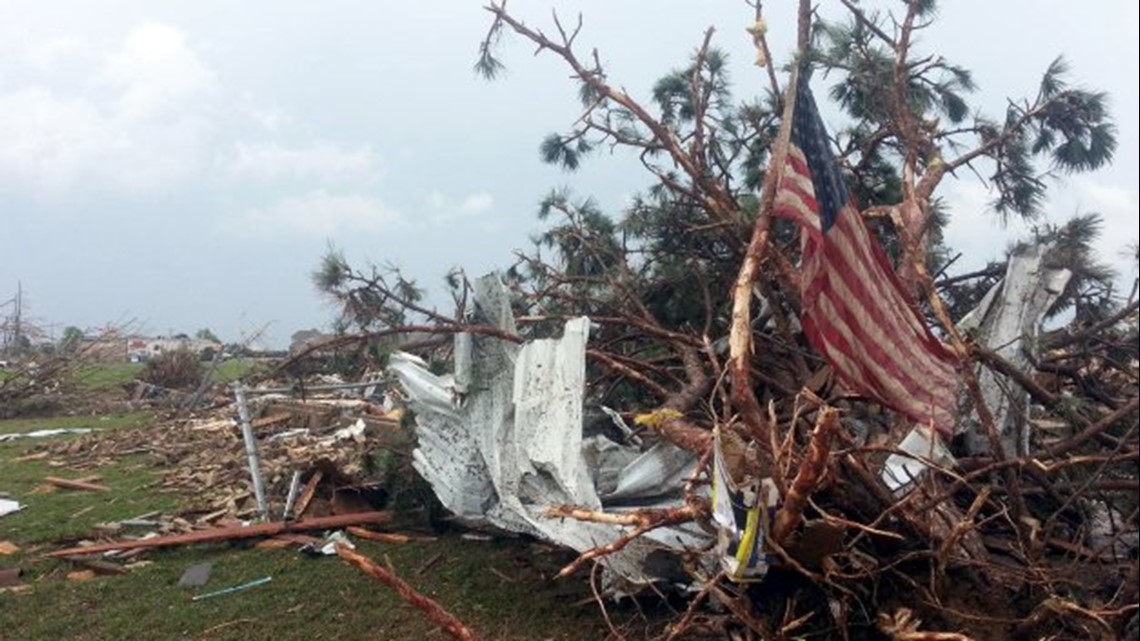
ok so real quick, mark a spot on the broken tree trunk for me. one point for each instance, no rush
(433, 610)
(809, 475)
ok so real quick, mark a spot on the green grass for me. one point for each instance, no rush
(98, 377)
(502, 589)
(107, 422)
(69, 514)
(236, 369)
(308, 599)
(104, 377)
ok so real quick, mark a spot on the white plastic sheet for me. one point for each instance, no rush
(8, 506)
(920, 445)
(46, 433)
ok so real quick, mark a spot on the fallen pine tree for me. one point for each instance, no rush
(937, 466)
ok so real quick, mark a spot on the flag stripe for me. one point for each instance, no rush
(856, 289)
(910, 368)
(861, 288)
(839, 353)
(885, 285)
(882, 376)
(873, 254)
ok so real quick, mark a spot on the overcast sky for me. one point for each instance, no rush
(185, 164)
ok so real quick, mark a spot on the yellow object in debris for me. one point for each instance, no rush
(656, 418)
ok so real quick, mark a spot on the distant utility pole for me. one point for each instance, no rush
(17, 331)
(12, 328)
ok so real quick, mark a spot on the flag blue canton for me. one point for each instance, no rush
(810, 136)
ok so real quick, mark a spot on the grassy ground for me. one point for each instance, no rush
(307, 599)
(236, 369)
(98, 377)
(500, 588)
(111, 422)
(102, 377)
(52, 514)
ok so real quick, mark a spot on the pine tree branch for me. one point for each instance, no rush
(621, 369)
(717, 199)
(1059, 341)
(700, 96)
(773, 82)
(741, 345)
(861, 16)
(451, 327)
(435, 613)
(1090, 432)
(808, 476)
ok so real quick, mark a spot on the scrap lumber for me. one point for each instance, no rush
(288, 540)
(100, 567)
(382, 537)
(433, 610)
(10, 577)
(200, 458)
(272, 419)
(75, 484)
(274, 543)
(231, 533)
(213, 516)
(307, 494)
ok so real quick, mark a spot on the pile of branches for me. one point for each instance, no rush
(176, 369)
(37, 384)
(27, 388)
(696, 301)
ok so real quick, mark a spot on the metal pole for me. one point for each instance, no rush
(294, 487)
(236, 588)
(251, 452)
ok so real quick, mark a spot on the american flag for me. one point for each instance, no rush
(855, 311)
